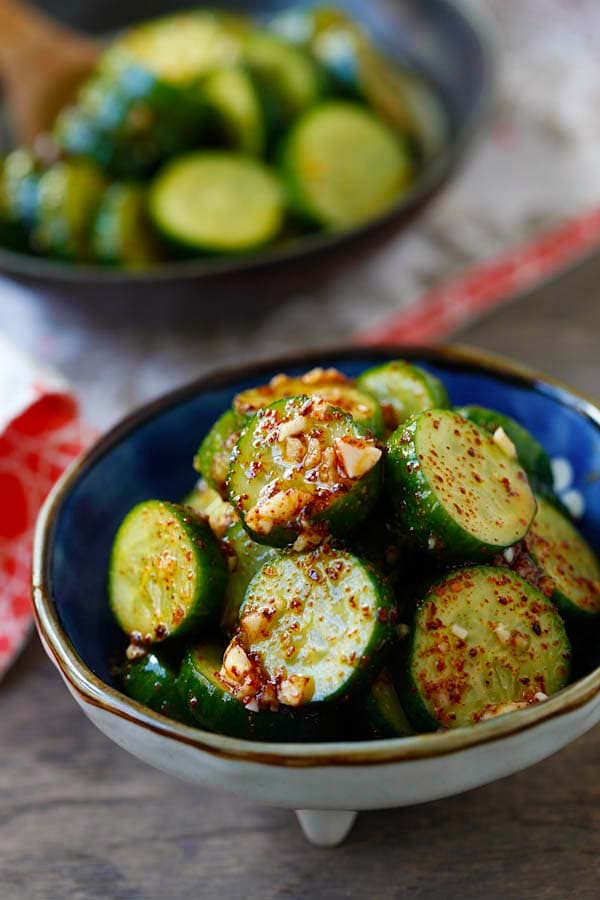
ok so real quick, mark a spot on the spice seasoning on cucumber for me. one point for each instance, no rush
(457, 489)
(319, 584)
(302, 469)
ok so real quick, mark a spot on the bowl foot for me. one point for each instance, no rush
(325, 827)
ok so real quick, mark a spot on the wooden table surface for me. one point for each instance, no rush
(81, 819)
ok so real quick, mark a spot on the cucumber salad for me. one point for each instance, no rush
(203, 133)
(358, 560)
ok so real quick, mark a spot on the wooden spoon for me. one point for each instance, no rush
(41, 65)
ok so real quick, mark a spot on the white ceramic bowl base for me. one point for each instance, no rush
(326, 797)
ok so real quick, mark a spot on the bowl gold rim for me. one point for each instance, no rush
(93, 691)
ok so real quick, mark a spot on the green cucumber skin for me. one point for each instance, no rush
(574, 615)
(250, 557)
(251, 140)
(214, 709)
(301, 204)
(129, 121)
(207, 606)
(122, 234)
(530, 452)
(348, 397)
(371, 379)
(418, 506)
(183, 247)
(152, 682)
(340, 517)
(283, 108)
(229, 423)
(69, 195)
(577, 617)
(383, 721)
(376, 650)
(19, 191)
(402, 669)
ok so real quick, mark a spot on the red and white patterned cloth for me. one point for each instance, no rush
(40, 434)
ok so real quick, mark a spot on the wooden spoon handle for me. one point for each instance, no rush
(41, 63)
(23, 30)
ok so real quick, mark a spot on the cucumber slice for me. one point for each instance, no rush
(288, 74)
(217, 202)
(209, 504)
(234, 101)
(403, 389)
(180, 48)
(344, 165)
(329, 384)
(145, 103)
(483, 639)
(530, 452)
(245, 558)
(318, 624)
(202, 499)
(122, 234)
(566, 557)
(384, 713)
(68, 199)
(302, 469)
(214, 454)
(152, 681)
(402, 97)
(456, 490)
(166, 575)
(129, 122)
(19, 187)
(215, 708)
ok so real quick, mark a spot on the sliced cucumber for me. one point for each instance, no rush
(401, 96)
(19, 188)
(482, 639)
(344, 165)
(287, 73)
(457, 491)
(245, 558)
(530, 452)
(214, 707)
(202, 498)
(128, 122)
(318, 624)
(329, 384)
(403, 389)
(152, 681)
(302, 469)
(167, 575)
(145, 104)
(214, 454)
(217, 202)
(122, 234)
(235, 103)
(209, 504)
(566, 557)
(69, 195)
(384, 713)
(180, 48)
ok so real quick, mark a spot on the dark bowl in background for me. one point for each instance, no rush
(436, 36)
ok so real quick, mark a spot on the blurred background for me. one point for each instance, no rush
(532, 167)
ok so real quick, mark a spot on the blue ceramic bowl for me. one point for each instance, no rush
(437, 37)
(149, 456)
